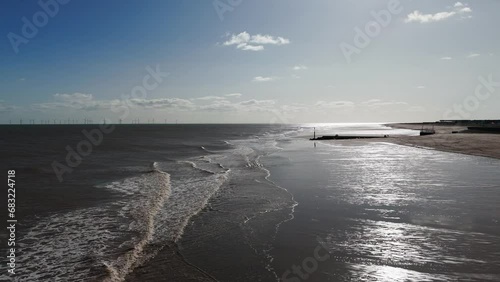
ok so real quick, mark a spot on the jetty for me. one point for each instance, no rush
(345, 137)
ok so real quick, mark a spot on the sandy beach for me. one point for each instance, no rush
(478, 144)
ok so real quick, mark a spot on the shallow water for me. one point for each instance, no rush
(390, 213)
(248, 203)
(131, 201)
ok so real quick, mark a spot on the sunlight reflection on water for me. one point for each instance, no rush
(423, 215)
(382, 273)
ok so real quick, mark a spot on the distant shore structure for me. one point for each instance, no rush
(466, 122)
(427, 131)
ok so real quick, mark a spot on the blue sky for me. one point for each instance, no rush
(260, 61)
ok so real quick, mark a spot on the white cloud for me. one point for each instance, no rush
(78, 103)
(254, 102)
(209, 98)
(375, 103)
(163, 103)
(446, 58)
(219, 106)
(212, 97)
(458, 9)
(252, 105)
(237, 39)
(465, 10)
(246, 42)
(5, 108)
(75, 101)
(417, 16)
(236, 95)
(421, 87)
(75, 97)
(86, 102)
(262, 79)
(473, 55)
(334, 104)
(268, 39)
(246, 47)
(299, 68)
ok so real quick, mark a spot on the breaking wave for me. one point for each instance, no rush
(155, 191)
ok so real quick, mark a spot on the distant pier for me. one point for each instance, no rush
(346, 137)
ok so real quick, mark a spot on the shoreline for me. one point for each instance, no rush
(476, 144)
(465, 142)
(346, 215)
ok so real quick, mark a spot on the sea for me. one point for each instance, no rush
(247, 202)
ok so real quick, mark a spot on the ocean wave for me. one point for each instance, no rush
(151, 209)
(160, 219)
(85, 243)
(244, 160)
(156, 190)
(68, 246)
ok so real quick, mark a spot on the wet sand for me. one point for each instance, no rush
(478, 144)
(385, 213)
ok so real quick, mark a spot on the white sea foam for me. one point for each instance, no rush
(206, 165)
(191, 191)
(66, 246)
(155, 190)
(151, 210)
(161, 218)
(73, 246)
(250, 152)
